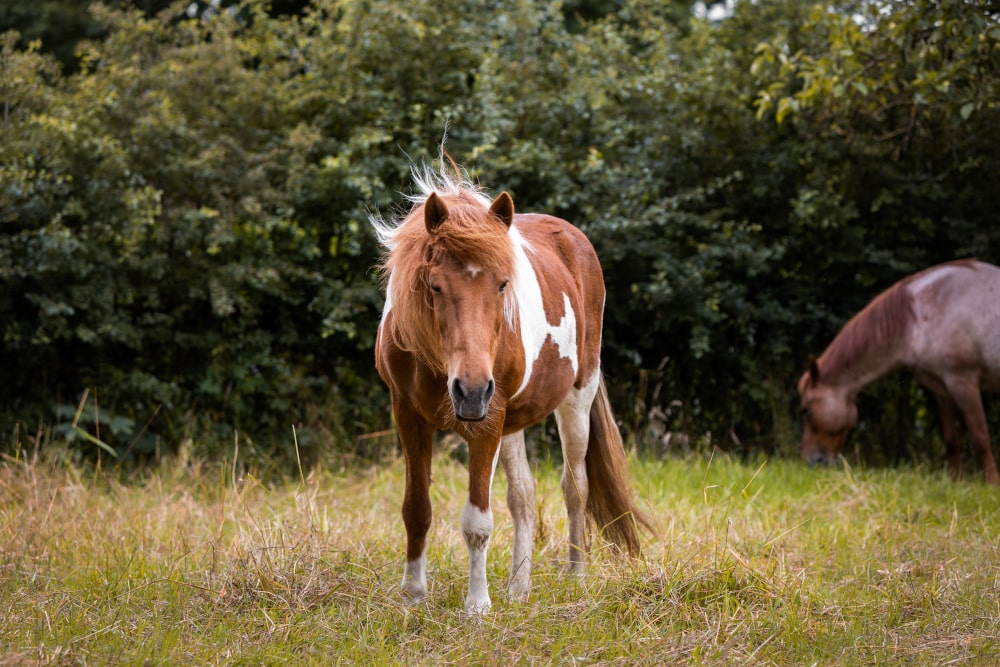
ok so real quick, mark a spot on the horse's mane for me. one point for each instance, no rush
(410, 250)
(877, 325)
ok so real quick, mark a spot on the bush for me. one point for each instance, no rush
(184, 213)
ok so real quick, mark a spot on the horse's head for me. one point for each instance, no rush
(469, 268)
(828, 414)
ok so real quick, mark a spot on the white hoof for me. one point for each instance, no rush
(413, 594)
(519, 589)
(477, 606)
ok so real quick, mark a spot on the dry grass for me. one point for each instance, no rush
(763, 564)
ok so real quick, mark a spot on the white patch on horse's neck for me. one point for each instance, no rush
(535, 327)
(388, 298)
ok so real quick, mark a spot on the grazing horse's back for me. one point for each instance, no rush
(958, 308)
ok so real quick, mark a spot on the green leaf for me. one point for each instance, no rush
(89, 438)
(786, 106)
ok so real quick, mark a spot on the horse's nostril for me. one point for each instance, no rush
(490, 388)
(457, 391)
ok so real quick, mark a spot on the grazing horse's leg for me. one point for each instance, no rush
(573, 420)
(477, 519)
(951, 430)
(965, 391)
(416, 437)
(521, 501)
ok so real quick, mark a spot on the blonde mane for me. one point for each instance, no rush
(469, 233)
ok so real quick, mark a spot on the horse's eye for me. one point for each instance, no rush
(503, 285)
(436, 289)
(805, 409)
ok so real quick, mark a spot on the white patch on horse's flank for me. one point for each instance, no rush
(535, 327)
(564, 334)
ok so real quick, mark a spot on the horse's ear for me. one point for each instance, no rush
(435, 212)
(503, 208)
(813, 369)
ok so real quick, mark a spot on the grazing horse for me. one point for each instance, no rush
(943, 325)
(492, 321)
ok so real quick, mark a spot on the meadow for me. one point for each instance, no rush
(768, 562)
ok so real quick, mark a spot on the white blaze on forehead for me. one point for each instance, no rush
(535, 327)
(473, 269)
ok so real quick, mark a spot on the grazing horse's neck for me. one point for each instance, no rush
(871, 344)
(868, 368)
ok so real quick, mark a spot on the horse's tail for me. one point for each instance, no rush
(610, 502)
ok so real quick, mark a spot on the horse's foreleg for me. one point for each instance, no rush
(970, 402)
(477, 520)
(573, 420)
(521, 502)
(416, 437)
(951, 431)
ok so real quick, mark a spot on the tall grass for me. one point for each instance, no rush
(770, 563)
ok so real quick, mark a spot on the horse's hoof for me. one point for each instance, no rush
(413, 596)
(475, 607)
(519, 591)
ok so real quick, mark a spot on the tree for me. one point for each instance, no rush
(897, 102)
(184, 213)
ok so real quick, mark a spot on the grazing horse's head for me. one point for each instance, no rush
(450, 269)
(828, 414)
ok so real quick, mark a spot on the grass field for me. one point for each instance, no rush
(769, 563)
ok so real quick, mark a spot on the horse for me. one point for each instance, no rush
(493, 321)
(943, 325)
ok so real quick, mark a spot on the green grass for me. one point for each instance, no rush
(771, 563)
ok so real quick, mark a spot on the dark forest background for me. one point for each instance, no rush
(185, 188)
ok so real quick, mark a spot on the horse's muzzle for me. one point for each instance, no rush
(820, 459)
(471, 403)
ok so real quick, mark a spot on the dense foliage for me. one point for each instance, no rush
(183, 211)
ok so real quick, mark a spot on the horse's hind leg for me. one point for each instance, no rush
(970, 402)
(521, 501)
(951, 430)
(573, 420)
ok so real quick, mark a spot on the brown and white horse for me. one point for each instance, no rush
(492, 321)
(943, 325)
